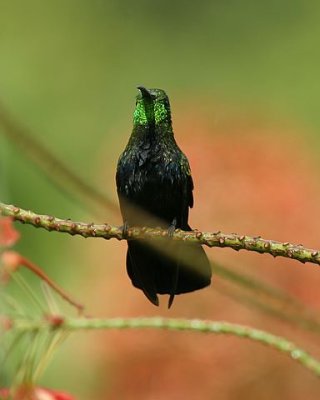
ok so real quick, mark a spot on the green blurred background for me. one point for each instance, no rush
(69, 71)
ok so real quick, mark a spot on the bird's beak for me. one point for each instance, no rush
(145, 92)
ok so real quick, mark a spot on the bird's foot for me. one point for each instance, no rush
(124, 228)
(172, 227)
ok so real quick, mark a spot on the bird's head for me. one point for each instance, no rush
(152, 107)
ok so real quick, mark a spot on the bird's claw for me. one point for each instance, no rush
(172, 227)
(124, 228)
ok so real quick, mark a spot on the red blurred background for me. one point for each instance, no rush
(252, 179)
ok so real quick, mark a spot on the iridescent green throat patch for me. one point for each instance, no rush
(154, 109)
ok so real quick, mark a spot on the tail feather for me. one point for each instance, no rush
(153, 272)
(140, 271)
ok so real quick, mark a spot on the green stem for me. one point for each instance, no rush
(216, 327)
(211, 239)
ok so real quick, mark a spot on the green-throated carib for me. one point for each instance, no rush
(154, 180)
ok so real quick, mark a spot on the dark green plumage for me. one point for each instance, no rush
(153, 176)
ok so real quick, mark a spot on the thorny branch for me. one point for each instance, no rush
(216, 327)
(211, 239)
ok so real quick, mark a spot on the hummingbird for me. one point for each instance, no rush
(154, 187)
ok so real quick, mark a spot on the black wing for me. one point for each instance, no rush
(149, 269)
